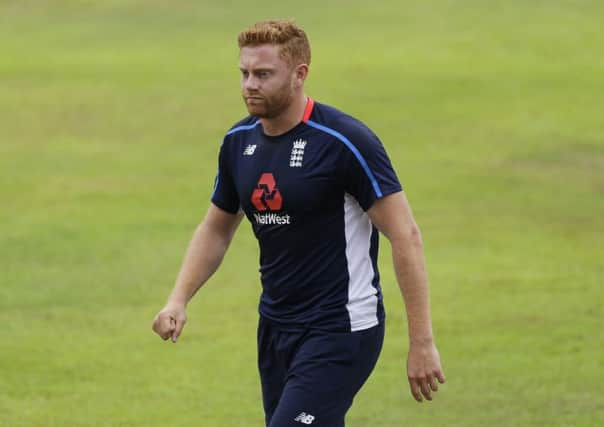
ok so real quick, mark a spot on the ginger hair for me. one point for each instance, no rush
(292, 40)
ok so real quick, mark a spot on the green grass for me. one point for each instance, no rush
(111, 114)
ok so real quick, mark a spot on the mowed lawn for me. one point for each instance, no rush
(111, 116)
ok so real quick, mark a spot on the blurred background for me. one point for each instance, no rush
(111, 116)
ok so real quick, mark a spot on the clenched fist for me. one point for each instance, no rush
(169, 322)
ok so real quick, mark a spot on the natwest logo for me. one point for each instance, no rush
(267, 199)
(271, 218)
(266, 196)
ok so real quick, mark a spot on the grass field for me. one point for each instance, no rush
(111, 115)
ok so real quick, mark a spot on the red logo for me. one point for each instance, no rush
(266, 196)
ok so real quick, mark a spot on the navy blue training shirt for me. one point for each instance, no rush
(305, 193)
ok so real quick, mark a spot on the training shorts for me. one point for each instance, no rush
(310, 377)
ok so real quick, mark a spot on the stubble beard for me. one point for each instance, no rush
(271, 106)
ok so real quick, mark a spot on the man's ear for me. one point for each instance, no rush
(301, 72)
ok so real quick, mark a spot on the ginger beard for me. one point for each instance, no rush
(268, 105)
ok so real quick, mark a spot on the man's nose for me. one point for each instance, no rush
(250, 83)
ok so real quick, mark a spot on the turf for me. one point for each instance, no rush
(111, 114)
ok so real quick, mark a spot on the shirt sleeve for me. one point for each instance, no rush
(369, 172)
(225, 193)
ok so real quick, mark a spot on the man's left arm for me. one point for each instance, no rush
(393, 217)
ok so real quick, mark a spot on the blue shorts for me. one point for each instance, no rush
(310, 377)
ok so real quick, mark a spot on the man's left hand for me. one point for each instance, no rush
(424, 370)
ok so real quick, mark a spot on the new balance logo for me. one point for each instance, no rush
(249, 150)
(304, 418)
(297, 155)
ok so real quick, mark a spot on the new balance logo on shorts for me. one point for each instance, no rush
(305, 418)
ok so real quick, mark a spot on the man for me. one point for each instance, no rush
(315, 183)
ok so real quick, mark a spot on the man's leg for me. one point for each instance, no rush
(272, 368)
(326, 373)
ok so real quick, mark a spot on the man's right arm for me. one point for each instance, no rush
(204, 254)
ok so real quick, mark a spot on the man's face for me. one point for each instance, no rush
(267, 80)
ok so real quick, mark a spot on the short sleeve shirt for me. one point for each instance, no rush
(306, 193)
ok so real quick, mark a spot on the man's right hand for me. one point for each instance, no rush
(169, 322)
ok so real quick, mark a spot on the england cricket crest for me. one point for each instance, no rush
(297, 155)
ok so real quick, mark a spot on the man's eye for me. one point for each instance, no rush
(263, 74)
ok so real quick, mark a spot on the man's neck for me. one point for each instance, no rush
(286, 120)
